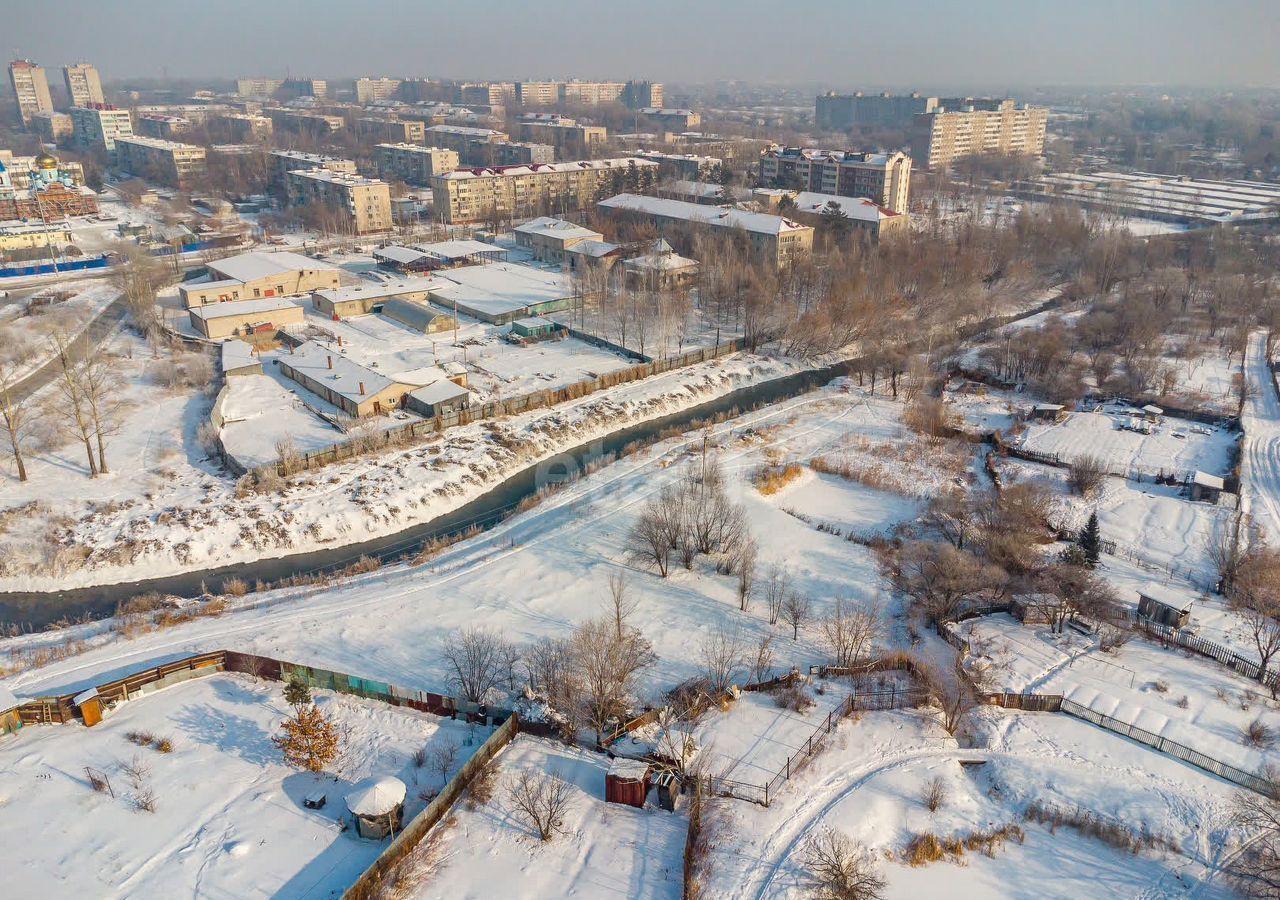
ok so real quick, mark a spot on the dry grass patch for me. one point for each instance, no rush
(768, 480)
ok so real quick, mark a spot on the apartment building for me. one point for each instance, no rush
(883, 178)
(163, 127)
(538, 93)
(642, 95)
(391, 131)
(775, 238)
(370, 90)
(836, 112)
(568, 137)
(30, 88)
(51, 127)
(244, 127)
(83, 84)
(516, 153)
(941, 137)
(258, 87)
(298, 121)
(166, 162)
(366, 202)
(97, 127)
(666, 119)
(685, 166)
(592, 93)
(520, 192)
(489, 93)
(414, 163)
(469, 143)
(292, 88)
(286, 161)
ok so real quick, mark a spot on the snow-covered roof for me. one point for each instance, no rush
(594, 249)
(85, 696)
(1048, 407)
(236, 354)
(629, 769)
(458, 249)
(344, 378)
(533, 322)
(418, 316)
(1165, 595)
(500, 289)
(723, 216)
(439, 392)
(1152, 409)
(398, 254)
(858, 208)
(1204, 479)
(7, 699)
(622, 162)
(376, 796)
(240, 308)
(707, 190)
(665, 262)
(406, 285)
(559, 228)
(257, 264)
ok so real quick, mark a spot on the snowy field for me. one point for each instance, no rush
(1186, 698)
(607, 850)
(258, 412)
(1175, 446)
(869, 785)
(229, 819)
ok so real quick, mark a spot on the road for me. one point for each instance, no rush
(102, 326)
(1260, 453)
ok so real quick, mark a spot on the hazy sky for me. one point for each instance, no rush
(842, 43)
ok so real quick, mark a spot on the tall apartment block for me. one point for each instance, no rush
(369, 90)
(591, 93)
(304, 87)
(96, 127)
(391, 130)
(286, 161)
(537, 93)
(642, 95)
(166, 162)
(489, 93)
(83, 84)
(163, 127)
(366, 202)
(51, 127)
(940, 137)
(883, 178)
(414, 163)
(520, 192)
(31, 88)
(836, 112)
(568, 137)
(258, 87)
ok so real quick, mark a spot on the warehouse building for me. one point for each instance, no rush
(243, 318)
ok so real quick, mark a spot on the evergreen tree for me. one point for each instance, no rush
(835, 221)
(310, 740)
(1091, 541)
(297, 694)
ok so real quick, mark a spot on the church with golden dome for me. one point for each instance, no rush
(40, 187)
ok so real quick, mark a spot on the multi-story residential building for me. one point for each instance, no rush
(836, 112)
(884, 178)
(515, 153)
(364, 202)
(462, 139)
(391, 131)
(489, 93)
(591, 93)
(519, 192)
(31, 88)
(686, 166)
(941, 137)
(244, 127)
(83, 84)
(538, 93)
(667, 119)
(286, 161)
(51, 127)
(775, 238)
(167, 162)
(163, 127)
(304, 87)
(196, 113)
(642, 95)
(414, 163)
(97, 127)
(369, 90)
(568, 137)
(258, 87)
(297, 121)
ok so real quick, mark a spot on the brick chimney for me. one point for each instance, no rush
(329, 359)
(362, 389)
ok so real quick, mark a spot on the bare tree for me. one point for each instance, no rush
(1086, 475)
(100, 385)
(621, 603)
(795, 612)
(659, 528)
(74, 406)
(849, 632)
(1255, 870)
(541, 800)
(1255, 596)
(555, 678)
(836, 868)
(16, 409)
(951, 689)
(608, 667)
(721, 655)
(441, 759)
(475, 658)
(747, 552)
(777, 585)
(762, 659)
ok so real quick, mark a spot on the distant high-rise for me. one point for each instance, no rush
(83, 84)
(642, 94)
(31, 89)
(940, 137)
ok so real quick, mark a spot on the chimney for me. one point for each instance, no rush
(339, 340)
(362, 389)
(330, 361)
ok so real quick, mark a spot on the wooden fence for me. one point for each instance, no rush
(1243, 665)
(370, 881)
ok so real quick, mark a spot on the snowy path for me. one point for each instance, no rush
(1260, 457)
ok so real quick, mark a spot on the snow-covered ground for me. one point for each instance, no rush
(1260, 456)
(34, 328)
(606, 850)
(229, 819)
(258, 412)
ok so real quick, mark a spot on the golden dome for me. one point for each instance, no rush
(46, 160)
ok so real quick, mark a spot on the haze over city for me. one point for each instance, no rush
(708, 450)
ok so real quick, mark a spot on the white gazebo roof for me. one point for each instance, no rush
(376, 796)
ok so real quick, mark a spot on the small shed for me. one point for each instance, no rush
(1048, 412)
(438, 398)
(10, 720)
(1206, 487)
(535, 328)
(1163, 606)
(668, 786)
(90, 706)
(1152, 412)
(1036, 608)
(627, 781)
(377, 806)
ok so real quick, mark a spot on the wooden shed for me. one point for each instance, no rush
(627, 781)
(1048, 412)
(535, 328)
(377, 806)
(1036, 608)
(1206, 487)
(90, 706)
(1163, 606)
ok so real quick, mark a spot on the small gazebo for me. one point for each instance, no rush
(377, 806)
